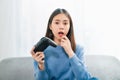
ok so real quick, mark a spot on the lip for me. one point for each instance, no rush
(60, 33)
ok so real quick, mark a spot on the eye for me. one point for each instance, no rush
(65, 23)
(56, 22)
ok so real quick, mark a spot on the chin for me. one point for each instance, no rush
(59, 38)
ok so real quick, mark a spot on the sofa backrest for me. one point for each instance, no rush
(104, 67)
(17, 69)
(21, 68)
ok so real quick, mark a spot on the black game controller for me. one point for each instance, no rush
(43, 43)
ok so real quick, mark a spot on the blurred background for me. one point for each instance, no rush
(24, 22)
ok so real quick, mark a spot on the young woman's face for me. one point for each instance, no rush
(60, 26)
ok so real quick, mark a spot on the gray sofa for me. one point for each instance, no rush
(21, 68)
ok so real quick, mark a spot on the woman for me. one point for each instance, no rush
(65, 62)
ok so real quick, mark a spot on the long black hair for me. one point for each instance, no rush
(70, 34)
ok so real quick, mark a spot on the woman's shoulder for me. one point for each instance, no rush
(79, 47)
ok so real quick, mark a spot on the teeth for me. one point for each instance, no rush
(60, 33)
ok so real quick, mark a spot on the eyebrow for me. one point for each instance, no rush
(59, 20)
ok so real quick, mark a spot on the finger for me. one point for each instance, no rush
(62, 40)
(35, 55)
(43, 61)
(39, 54)
(65, 37)
(32, 51)
(33, 48)
(62, 43)
(40, 58)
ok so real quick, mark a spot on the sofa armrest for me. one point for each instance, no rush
(20, 68)
(103, 67)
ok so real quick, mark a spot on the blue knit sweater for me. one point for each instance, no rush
(58, 66)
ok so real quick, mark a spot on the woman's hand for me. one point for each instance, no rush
(39, 57)
(65, 43)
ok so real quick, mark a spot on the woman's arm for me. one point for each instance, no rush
(77, 65)
(39, 74)
(39, 68)
(76, 60)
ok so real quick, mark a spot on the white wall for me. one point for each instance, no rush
(7, 24)
(23, 23)
(101, 27)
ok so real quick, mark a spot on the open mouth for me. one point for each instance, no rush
(60, 34)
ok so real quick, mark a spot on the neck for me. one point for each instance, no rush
(58, 41)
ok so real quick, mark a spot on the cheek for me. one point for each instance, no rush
(54, 31)
(52, 28)
(67, 29)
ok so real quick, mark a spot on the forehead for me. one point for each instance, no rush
(60, 17)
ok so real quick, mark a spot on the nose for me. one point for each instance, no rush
(61, 26)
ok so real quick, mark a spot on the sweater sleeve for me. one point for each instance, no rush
(77, 65)
(39, 74)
